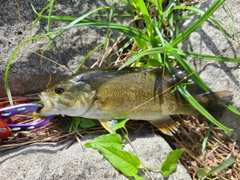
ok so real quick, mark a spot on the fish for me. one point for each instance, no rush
(107, 93)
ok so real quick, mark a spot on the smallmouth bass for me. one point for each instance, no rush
(107, 93)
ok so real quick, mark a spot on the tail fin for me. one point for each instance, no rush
(222, 97)
(215, 102)
(225, 97)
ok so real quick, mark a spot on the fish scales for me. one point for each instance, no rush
(138, 94)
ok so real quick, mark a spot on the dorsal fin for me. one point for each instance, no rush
(167, 126)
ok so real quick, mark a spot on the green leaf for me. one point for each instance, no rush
(106, 139)
(228, 162)
(120, 124)
(110, 147)
(87, 123)
(204, 143)
(154, 62)
(201, 173)
(170, 164)
(122, 160)
(140, 43)
(76, 121)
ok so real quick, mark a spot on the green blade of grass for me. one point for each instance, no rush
(49, 15)
(228, 162)
(208, 57)
(166, 11)
(234, 110)
(187, 67)
(158, 4)
(82, 21)
(199, 22)
(87, 57)
(204, 143)
(41, 12)
(8, 91)
(197, 11)
(142, 6)
(110, 15)
(177, 22)
(155, 50)
(128, 30)
(171, 26)
(73, 20)
(77, 20)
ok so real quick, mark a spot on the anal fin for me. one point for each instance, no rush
(166, 125)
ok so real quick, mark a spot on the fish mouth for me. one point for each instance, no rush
(47, 103)
(42, 99)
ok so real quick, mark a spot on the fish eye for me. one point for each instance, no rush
(59, 90)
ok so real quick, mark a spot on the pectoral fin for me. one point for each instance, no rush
(166, 125)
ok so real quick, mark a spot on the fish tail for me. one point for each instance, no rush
(222, 97)
(225, 97)
(215, 102)
(212, 102)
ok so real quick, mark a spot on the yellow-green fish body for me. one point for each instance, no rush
(134, 93)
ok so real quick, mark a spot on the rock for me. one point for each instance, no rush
(51, 161)
(26, 73)
(219, 76)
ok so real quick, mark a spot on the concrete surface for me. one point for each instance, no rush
(50, 161)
